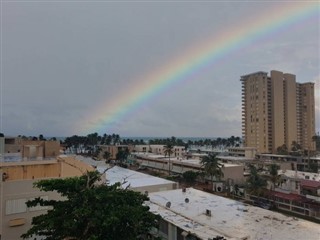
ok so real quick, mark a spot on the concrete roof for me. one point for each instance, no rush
(234, 158)
(191, 162)
(300, 175)
(229, 218)
(133, 178)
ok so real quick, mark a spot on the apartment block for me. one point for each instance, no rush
(276, 110)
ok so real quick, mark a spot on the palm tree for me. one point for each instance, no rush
(255, 182)
(273, 175)
(168, 150)
(212, 167)
(106, 156)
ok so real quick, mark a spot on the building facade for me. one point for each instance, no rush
(17, 187)
(277, 111)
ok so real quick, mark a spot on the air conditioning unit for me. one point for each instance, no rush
(208, 212)
(219, 187)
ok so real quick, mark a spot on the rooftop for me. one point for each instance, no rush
(133, 178)
(300, 175)
(229, 218)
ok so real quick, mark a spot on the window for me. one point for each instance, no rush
(16, 206)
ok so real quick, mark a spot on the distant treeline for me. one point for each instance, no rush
(93, 139)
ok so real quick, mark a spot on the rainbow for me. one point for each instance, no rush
(202, 55)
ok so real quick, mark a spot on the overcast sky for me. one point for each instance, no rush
(61, 60)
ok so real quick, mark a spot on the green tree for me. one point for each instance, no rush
(212, 167)
(313, 167)
(316, 140)
(190, 176)
(91, 211)
(296, 149)
(106, 156)
(168, 150)
(255, 182)
(282, 150)
(122, 155)
(273, 175)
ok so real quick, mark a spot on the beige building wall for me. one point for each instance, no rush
(113, 150)
(12, 144)
(17, 188)
(277, 109)
(39, 149)
(290, 109)
(1, 147)
(16, 217)
(307, 116)
(255, 111)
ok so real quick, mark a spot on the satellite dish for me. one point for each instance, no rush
(168, 204)
(186, 200)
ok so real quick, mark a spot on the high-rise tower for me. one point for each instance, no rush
(276, 111)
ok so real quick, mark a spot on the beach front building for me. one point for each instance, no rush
(114, 149)
(16, 148)
(232, 173)
(300, 163)
(298, 192)
(137, 181)
(16, 187)
(193, 214)
(178, 151)
(276, 111)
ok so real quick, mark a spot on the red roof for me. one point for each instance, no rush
(288, 196)
(310, 183)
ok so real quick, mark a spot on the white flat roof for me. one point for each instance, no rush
(234, 158)
(300, 175)
(194, 162)
(229, 218)
(133, 178)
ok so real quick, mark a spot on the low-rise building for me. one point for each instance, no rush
(16, 188)
(137, 181)
(297, 192)
(193, 214)
(300, 163)
(158, 149)
(231, 172)
(114, 149)
(247, 152)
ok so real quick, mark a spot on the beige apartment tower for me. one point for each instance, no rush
(276, 110)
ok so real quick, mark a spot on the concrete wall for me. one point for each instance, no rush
(156, 188)
(31, 170)
(72, 167)
(40, 149)
(230, 171)
(1, 146)
(277, 108)
(290, 107)
(18, 188)
(12, 145)
(19, 192)
(307, 116)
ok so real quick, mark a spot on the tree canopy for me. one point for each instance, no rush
(91, 211)
(212, 167)
(255, 182)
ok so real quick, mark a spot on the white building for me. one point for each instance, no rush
(178, 151)
(200, 215)
(137, 181)
(231, 172)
